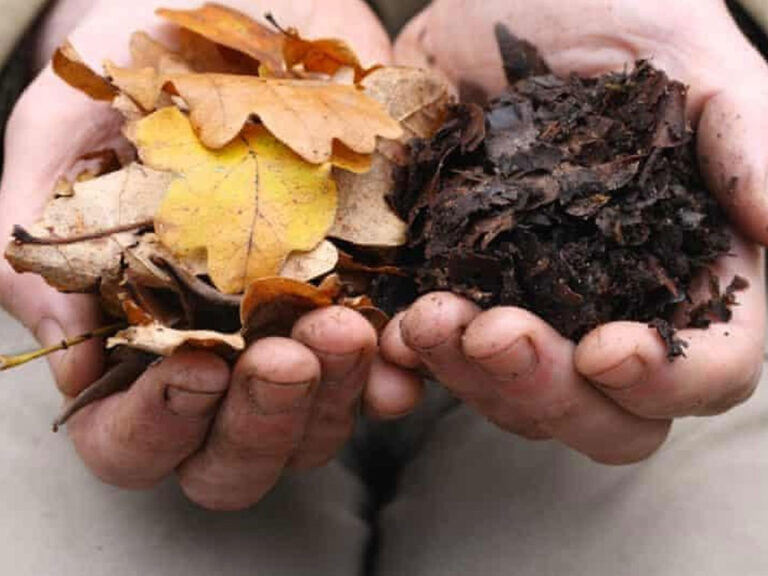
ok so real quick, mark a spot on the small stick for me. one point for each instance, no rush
(8, 362)
(197, 286)
(22, 236)
(118, 378)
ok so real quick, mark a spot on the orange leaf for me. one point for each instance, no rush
(233, 29)
(70, 67)
(305, 115)
(326, 55)
(272, 306)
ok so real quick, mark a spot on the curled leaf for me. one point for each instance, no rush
(233, 29)
(68, 65)
(324, 56)
(164, 341)
(273, 305)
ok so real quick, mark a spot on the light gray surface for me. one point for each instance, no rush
(478, 501)
(56, 520)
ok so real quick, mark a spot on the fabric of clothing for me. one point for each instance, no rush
(474, 500)
(15, 17)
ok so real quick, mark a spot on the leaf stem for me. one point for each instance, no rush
(197, 286)
(8, 362)
(22, 236)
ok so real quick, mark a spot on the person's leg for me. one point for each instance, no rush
(56, 519)
(478, 501)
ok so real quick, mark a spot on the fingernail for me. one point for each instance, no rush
(271, 398)
(187, 403)
(627, 374)
(516, 361)
(335, 363)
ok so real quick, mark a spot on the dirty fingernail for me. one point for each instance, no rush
(626, 374)
(187, 403)
(516, 361)
(271, 398)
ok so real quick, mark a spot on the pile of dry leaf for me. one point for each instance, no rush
(257, 155)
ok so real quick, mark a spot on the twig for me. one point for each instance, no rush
(116, 379)
(8, 362)
(22, 236)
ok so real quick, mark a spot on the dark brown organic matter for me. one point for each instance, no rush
(578, 199)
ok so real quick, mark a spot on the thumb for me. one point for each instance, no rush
(53, 317)
(44, 134)
(733, 151)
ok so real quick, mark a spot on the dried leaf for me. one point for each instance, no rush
(246, 206)
(324, 56)
(70, 67)
(306, 266)
(273, 305)
(305, 115)
(146, 52)
(418, 99)
(164, 341)
(129, 196)
(233, 29)
(142, 85)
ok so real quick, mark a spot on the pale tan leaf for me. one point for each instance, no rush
(306, 266)
(418, 99)
(122, 198)
(163, 341)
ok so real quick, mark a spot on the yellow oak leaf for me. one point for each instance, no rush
(308, 116)
(245, 207)
(232, 29)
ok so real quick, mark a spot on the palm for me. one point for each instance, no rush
(480, 355)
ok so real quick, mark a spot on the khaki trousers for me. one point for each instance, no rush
(473, 501)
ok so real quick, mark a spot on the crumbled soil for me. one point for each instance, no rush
(578, 199)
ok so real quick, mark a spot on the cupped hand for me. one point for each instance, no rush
(227, 433)
(614, 395)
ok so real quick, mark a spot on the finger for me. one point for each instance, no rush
(733, 152)
(393, 349)
(345, 343)
(258, 428)
(628, 361)
(392, 392)
(433, 329)
(530, 367)
(136, 438)
(26, 186)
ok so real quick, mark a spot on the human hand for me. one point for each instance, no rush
(612, 396)
(228, 434)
